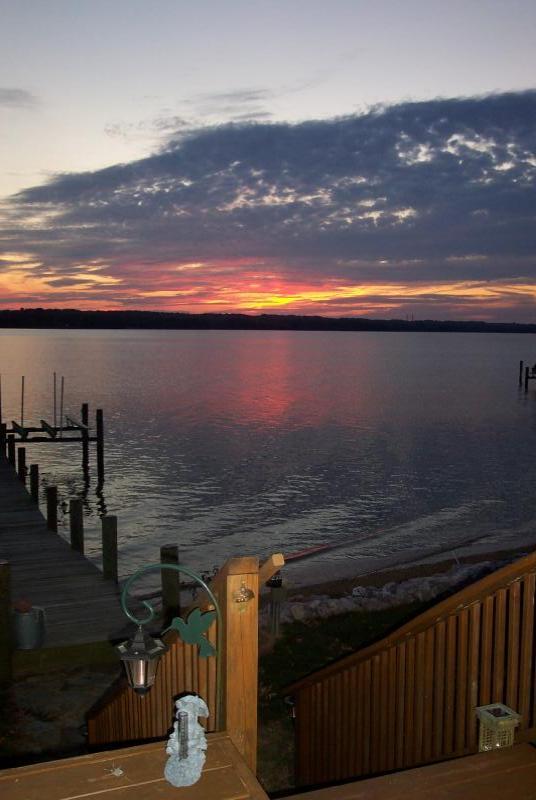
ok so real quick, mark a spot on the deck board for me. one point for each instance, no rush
(80, 606)
(139, 776)
(508, 774)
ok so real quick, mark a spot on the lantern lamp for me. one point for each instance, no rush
(141, 656)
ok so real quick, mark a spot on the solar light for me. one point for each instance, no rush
(497, 724)
(141, 656)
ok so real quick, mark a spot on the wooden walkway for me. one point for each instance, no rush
(80, 606)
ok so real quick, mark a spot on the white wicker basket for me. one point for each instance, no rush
(497, 725)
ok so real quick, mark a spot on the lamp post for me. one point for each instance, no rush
(142, 653)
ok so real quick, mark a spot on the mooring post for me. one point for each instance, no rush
(6, 643)
(84, 414)
(100, 445)
(51, 493)
(526, 379)
(3, 437)
(76, 524)
(11, 449)
(21, 464)
(520, 373)
(109, 548)
(171, 586)
(34, 482)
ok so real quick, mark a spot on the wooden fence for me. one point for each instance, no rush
(410, 699)
(123, 716)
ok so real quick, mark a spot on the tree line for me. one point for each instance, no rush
(75, 318)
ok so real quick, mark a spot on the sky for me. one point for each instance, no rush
(350, 158)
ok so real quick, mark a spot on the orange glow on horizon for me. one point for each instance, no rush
(241, 287)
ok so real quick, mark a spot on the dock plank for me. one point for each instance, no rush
(80, 606)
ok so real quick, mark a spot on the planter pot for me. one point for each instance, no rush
(29, 628)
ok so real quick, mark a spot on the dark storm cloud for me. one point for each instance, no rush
(430, 191)
(16, 98)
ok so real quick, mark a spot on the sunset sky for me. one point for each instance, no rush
(346, 158)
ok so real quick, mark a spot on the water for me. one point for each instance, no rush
(248, 443)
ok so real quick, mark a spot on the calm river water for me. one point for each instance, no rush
(234, 443)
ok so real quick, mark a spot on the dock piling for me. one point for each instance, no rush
(11, 449)
(21, 464)
(526, 379)
(51, 493)
(99, 422)
(521, 373)
(85, 436)
(3, 437)
(22, 403)
(171, 587)
(109, 548)
(76, 524)
(34, 482)
(5, 623)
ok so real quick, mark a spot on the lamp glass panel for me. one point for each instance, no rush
(140, 672)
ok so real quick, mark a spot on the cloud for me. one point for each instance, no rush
(430, 194)
(17, 98)
(236, 106)
(201, 110)
(147, 128)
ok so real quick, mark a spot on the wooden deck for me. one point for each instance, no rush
(508, 774)
(138, 776)
(136, 773)
(80, 606)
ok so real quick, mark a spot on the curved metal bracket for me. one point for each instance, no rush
(193, 629)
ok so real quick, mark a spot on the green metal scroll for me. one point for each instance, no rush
(193, 629)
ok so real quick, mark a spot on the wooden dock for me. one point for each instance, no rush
(80, 606)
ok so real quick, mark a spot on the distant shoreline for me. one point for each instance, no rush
(43, 318)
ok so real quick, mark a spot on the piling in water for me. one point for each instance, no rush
(76, 524)
(11, 449)
(109, 548)
(21, 464)
(34, 482)
(51, 493)
(99, 420)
